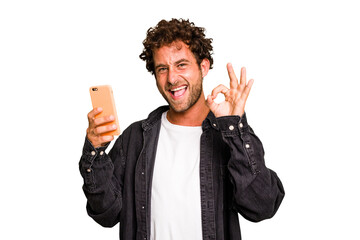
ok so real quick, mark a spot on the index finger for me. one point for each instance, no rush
(94, 112)
(221, 88)
(233, 79)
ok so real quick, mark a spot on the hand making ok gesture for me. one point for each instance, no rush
(235, 97)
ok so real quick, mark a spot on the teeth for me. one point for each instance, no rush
(177, 89)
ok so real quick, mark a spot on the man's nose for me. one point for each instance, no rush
(172, 76)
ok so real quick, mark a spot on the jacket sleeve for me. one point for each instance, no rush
(102, 174)
(257, 190)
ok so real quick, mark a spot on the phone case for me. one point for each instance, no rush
(102, 96)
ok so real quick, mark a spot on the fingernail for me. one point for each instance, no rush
(114, 126)
(111, 117)
(99, 109)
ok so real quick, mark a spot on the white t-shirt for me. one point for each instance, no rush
(175, 193)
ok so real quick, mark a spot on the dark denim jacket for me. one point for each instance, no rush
(233, 178)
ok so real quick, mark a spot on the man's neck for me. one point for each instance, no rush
(194, 116)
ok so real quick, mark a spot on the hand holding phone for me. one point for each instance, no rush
(103, 120)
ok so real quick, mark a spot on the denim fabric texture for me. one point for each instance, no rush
(233, 178)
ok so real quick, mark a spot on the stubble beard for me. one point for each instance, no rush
(194, 96)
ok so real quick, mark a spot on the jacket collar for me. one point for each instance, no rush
(153, 117)
(210, 121)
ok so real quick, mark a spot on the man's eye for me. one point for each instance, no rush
(160, 70)
(181, 65)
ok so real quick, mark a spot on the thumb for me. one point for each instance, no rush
(211, 103)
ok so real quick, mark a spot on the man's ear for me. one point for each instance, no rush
(204, 67)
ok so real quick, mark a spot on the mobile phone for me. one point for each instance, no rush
(102, 96)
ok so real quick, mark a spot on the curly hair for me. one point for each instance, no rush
(166, 32)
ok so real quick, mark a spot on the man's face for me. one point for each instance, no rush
(178, 76)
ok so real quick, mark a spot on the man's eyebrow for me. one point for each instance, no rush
(182, 60)
(177, 62)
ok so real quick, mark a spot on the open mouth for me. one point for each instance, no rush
(178, 92)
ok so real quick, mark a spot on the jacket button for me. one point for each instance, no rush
(93, 153)
(88, 170)
(231, 127)
(102, 153)
(241, 125)
(247, 145)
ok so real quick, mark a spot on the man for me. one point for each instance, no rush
(188, 169)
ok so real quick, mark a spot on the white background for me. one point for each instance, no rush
(304, 105)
